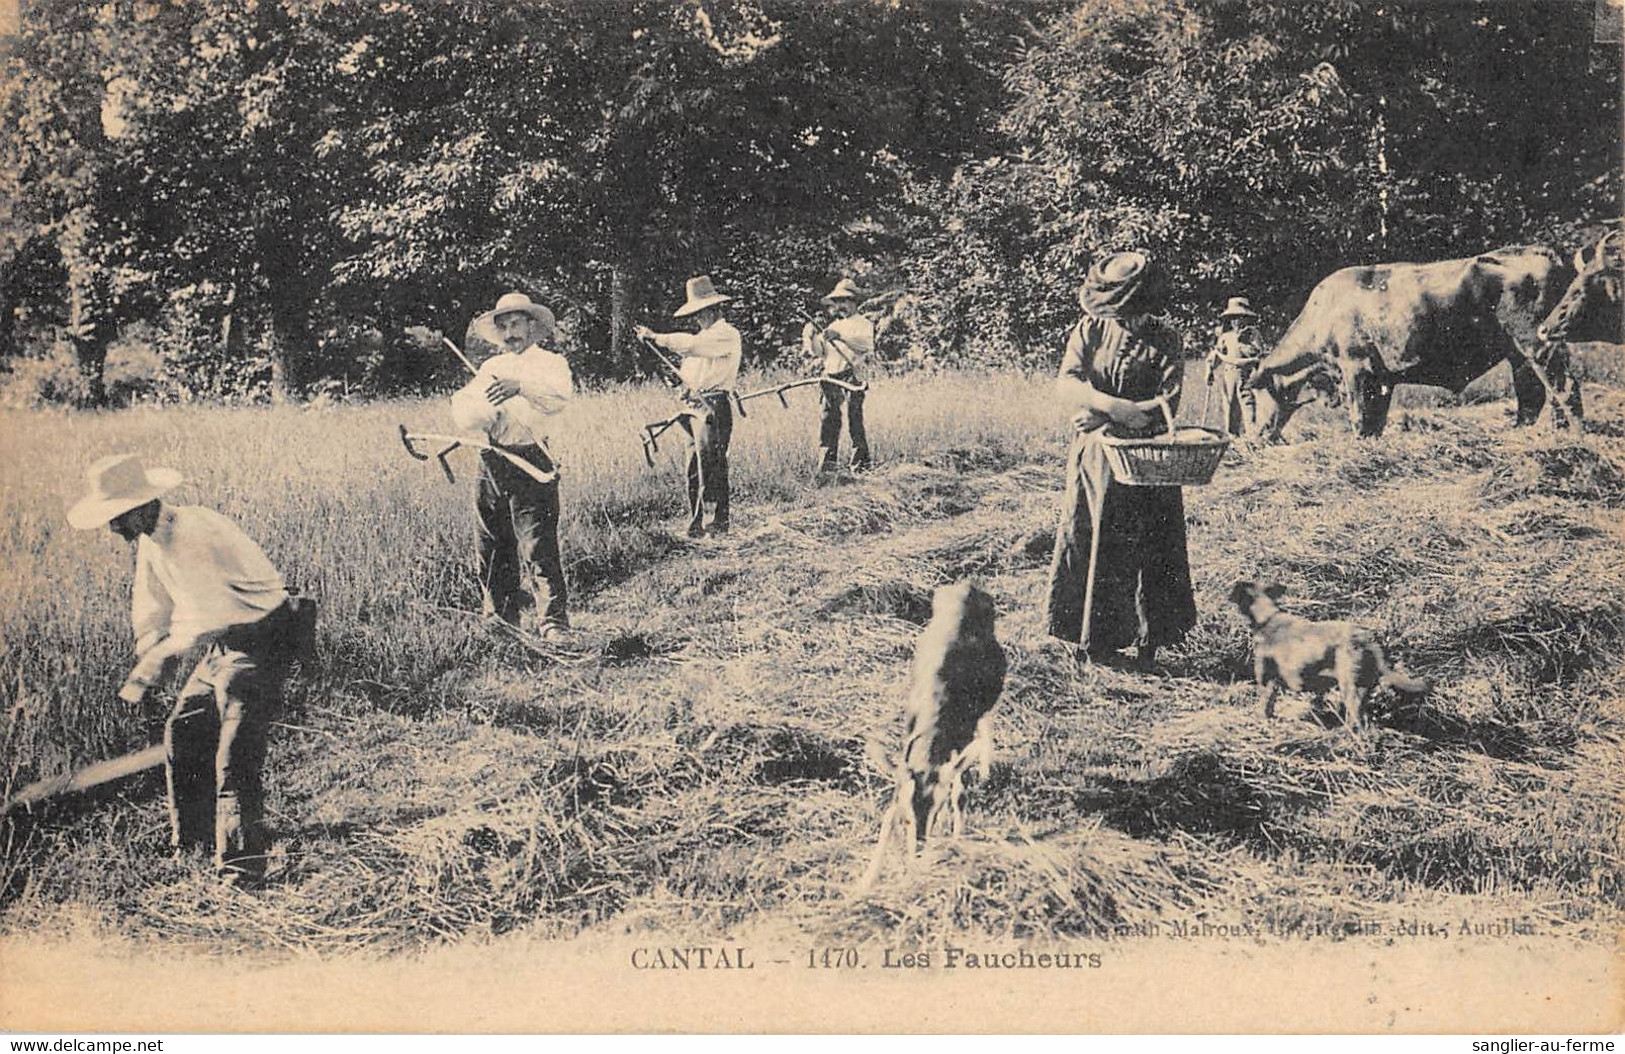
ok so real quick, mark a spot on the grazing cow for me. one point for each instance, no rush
(1367, 329)
(1590, 310)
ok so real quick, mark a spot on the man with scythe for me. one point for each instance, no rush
(511, 399)
(710, 370)
(842, 346)
(201, 581)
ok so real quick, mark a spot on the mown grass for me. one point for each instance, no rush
(696, 761)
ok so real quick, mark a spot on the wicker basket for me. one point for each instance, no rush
(1183, 456)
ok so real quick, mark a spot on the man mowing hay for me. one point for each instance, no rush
(841, 347)
(1120, 574)
(200, 580)
(511, 399)
(710, 370)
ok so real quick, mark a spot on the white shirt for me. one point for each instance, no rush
(857, 335)
(1231, 348)
(545, 389)
(710, 357)
(196, 574)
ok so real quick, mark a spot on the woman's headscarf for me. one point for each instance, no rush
(1124, 284)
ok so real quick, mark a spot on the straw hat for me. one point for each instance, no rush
(484, 327)
(845, 289)
(118, 484)
(1239, 307)
(1121, 284)
(701, 295)
(519, 303)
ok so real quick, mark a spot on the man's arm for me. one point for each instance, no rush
(151, 608)
(708, 345)
(471, 406)
(851, 346)
(547, 385)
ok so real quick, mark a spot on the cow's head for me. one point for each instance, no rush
(1590, 309)
(1278, 392)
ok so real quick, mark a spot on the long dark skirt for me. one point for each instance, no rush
(1120, 574)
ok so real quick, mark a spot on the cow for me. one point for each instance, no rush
(1590, 309)
(1366, 329)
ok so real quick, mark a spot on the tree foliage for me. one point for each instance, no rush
(276, 188)
(1257, 146)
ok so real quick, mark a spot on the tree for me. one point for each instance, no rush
(1255, 144)
(610, 150)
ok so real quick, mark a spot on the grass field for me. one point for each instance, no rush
(694, 761)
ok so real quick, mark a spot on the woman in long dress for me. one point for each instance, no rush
(1120, 574)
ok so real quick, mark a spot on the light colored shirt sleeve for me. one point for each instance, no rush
(849, 341)
(470, 408)
(717, 342)
(544, 380)
(151, 606)
(858, 333)
(545, 388)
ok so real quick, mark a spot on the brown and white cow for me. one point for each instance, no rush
(1590, 310)
(1366, 329)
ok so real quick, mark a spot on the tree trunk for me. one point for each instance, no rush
(288, 337)
(88, 330)
(1379, 145)
(623, 310)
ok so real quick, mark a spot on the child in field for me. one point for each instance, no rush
(1234, 357)
(199, 580)
(511, 399)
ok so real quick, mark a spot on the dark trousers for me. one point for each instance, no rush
(1236, 400)
(829, 429)
(517, 538)
(710, 431)
(215, 742)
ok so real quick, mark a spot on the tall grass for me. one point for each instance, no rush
(382, 540)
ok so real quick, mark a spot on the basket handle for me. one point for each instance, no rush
(1168, 414)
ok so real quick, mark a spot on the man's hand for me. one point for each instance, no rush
(644, 332)
(501, 390)
(134, 692)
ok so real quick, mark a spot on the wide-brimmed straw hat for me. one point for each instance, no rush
(1239, 307)
(118, 483)
(701, 295)
(845, 289)
(519, 303)
(1126, 283)
(484, 327)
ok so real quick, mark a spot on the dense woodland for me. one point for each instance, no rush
(250, 198)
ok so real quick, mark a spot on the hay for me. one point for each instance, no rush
(1018, 885)
(698, 763)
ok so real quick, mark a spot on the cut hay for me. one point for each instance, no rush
(697, 763)
(1088, 882)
